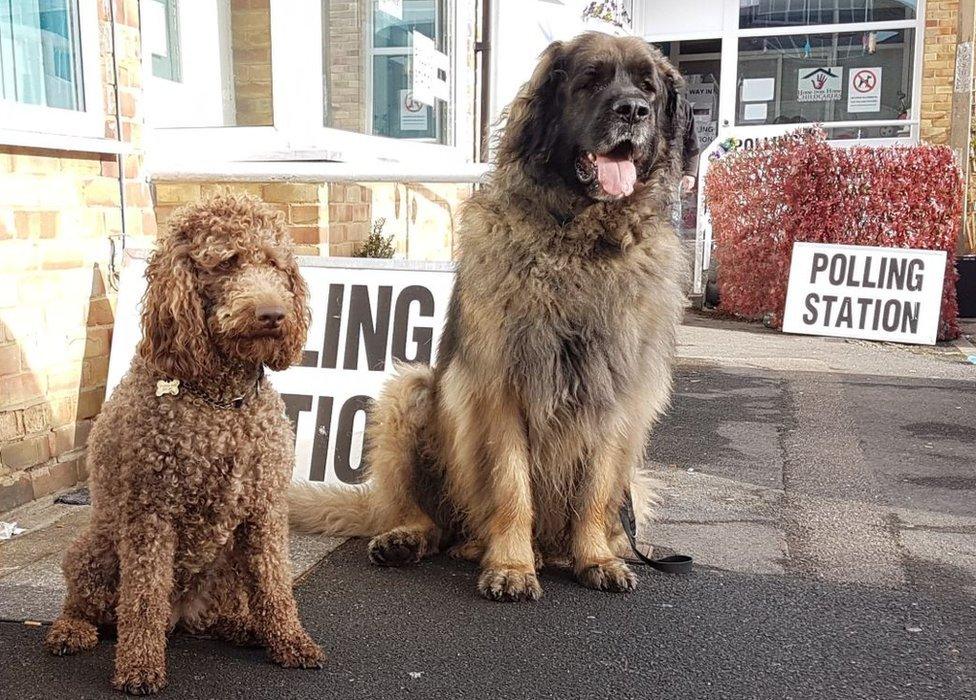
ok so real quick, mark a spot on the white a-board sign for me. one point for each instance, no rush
(366, 314)
(848, 291)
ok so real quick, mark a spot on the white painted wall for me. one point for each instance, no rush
(205, 95)
(680, 19)
(521, 30)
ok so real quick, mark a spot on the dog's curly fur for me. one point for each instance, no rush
(555, 362)
(189, 522)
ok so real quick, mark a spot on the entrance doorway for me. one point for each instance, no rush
(700, 62)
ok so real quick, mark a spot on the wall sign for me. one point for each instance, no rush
(365, 315)
(819, 84)
(864, 90)
(892, 294)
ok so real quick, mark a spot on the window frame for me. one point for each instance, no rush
(730, 33)
(299, 132)
(172, 63)
(909, 47)
(728, 99)
(27, 119)
(442, 16)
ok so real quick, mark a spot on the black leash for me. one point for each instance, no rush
(675, 564)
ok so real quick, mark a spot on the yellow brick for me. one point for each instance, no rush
(41, 165)
(286, 192)
(210, 188)
(102, 190)
(177, 193)
(303, 213)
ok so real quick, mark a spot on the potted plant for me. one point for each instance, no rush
(377, 245)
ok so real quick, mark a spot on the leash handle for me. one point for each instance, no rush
(674, 564)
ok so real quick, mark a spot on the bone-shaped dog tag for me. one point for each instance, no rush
(164, 387)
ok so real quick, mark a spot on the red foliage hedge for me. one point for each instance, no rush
(799, 188)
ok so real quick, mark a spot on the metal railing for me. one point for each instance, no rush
(703, 226)
(313, 171)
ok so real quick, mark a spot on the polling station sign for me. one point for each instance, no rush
(848, 291)
(366, 314)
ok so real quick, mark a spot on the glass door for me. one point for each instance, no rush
(700, 63)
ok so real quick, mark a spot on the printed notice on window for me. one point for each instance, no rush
(864, 90)
(819, 84)
(413, 114)
(430, 71)
(892, 294)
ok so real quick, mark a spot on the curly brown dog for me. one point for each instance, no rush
(191, 455)
(556, 358)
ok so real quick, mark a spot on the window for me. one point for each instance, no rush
(837, 77)
(368, 58)
(50, 77)
(755, 14)
(39, 53)
(314, 80)
(225, 46)
(161, 32)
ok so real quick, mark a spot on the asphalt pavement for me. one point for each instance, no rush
(831, 512)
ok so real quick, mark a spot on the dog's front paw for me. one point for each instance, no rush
(509, 584)
(614, 576)
(139, 681)
(298, 651)
(70, 636)
(396, 548)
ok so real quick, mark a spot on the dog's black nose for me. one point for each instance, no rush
(270, 316)
(632, 109)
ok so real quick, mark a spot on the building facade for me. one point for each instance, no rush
(113, 113)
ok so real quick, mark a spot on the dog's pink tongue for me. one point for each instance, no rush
(617, 175)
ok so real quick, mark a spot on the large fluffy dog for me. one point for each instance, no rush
(191, 455)
(524, 440)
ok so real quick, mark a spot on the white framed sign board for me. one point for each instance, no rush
(366, 314)
(864, 90)
(847, 291)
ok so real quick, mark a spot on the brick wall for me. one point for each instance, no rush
(335, 218)
(350, 217)
(57, 212)
(345, 64)
(305, 206)
(250, 22)
(938, 69)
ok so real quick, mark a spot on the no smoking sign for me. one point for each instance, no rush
(864, 90)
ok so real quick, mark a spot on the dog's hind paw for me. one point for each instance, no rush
(396, 548)
(614, 576)
(141, 681)
(69, 636)
(298, 652)
(509, 585)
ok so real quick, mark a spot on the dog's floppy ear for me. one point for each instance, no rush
(175, 339)
(674, 87)
(294, 340)
(531, 127)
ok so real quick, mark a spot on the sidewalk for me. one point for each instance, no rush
(826, 489)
